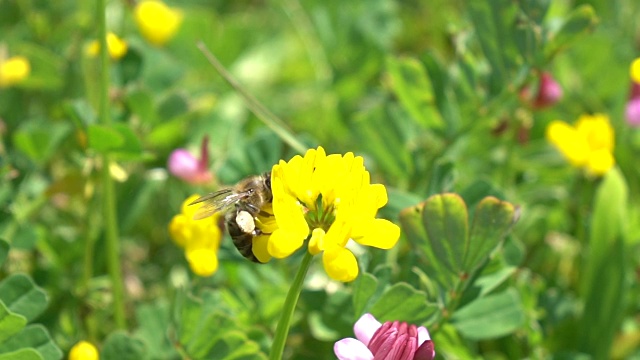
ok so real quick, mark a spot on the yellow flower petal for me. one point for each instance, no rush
(379, 233)
(260, 248)
(600, 162)
(203, 262)
(316, 243)
(597, 131)
(179, 230)
(83, 351)
(568, 140)
(340, 264)
(634, 70)
(157, 22)
(283, 243)
(14, 70)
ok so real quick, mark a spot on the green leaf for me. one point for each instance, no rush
(153, 322)
(445, 220)
(412, 86)
(413, 229)
(604, 284)
(36, 337)
(22, 296)
(22, 354)
(172, 106)
(130, 147)
(120, 346)
(103, 138)
(130, 66)
(140, 102)
(4, 251)
(363, 289)
(403, 303)
(578, 22)
(10, 323)
(490, 317)
(40, 141)
(492, 220)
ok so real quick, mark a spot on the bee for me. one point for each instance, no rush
(241, 205)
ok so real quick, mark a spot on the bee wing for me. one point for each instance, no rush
(218, 201)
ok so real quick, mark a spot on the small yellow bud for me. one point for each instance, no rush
(157, 22)
(14, 70)
(84, 351)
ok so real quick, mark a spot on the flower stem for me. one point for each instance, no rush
(289, 305)
(268, 118)
(108, 189)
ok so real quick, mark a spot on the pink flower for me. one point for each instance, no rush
(632, 112)
(185, 166)
(549, 92)
(389, 341)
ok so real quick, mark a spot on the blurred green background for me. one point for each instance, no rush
(429, 92)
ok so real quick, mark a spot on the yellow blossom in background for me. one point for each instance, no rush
(330, 200)
(634, 70)
(83, 351)
(200, 239)
(13, 70)
(116, 46)
(588, 144)
(157, 22)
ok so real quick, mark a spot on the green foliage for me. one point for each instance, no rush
(437, 96)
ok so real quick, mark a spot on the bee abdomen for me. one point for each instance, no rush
(242, 240)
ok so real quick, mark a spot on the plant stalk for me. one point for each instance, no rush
(289, 306)
(108, 188)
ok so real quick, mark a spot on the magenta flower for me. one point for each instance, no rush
(632, 112)
(389, 341)
(549, 91)
(186, 167)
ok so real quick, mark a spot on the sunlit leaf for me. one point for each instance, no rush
(445, 221)
(35, 337)
(22, 354)
(579, 21)
(491, 221)
(10, 323)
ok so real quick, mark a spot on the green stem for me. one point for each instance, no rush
(289, 305)
(108, 190)
(267, 117)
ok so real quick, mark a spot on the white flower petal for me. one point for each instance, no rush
(351, 349)
(423, 335)
(365, 327)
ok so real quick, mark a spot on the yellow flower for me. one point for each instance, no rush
(157, 22)
(328, 199)
(83, 351)
(13, 70)
(589, 144)
(116, 46)
(634, 70)
(200, 239)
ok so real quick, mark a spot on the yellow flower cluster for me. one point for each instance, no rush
(330, 200)
(116, 46)
(84, 351)
(13, 70)
(589, 144)
(200, 239)
(157, 22)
